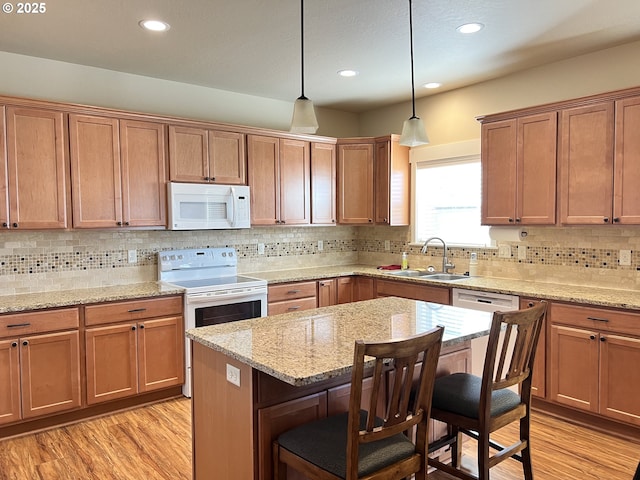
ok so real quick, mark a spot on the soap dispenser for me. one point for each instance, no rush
(473, 265)
(405, 261)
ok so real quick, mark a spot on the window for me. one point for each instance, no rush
(447, 202)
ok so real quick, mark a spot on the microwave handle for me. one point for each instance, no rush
(235, 207)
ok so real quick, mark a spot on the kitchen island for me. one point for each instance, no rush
(255, 378)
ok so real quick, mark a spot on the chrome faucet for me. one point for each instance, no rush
(446, 266)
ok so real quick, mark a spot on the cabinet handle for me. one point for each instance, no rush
(15, 225)
(603, 339)
(596, 319)
(141, 325)
(133, 327)
(517, 220)
(206, 179)
(616, 219)
(213, 179)
(293, 291)
(510, 220)
(370, 221)
(606, 219)
(19, 325)
(592, 337)
(119, 224)
(126, 223)
(5, 224)
(530, 304)
(25, 343)
(137, 310)
(14, 344)
(294, 308)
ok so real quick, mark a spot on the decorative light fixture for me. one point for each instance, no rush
(413, 131)
(304, 115)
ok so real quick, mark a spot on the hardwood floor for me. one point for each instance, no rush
(154, 442)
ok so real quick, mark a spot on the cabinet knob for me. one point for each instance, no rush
(616, 219)
(206, 179)
(119, 224)
(133, 327)
(5, 224)
(15, 225)
(213, 179)
(517, 220)
(592, 337)
(606, 219)
(603, 339)
(370, 221)
(530, 304)
(141, 325)
(126, 223)
(14, 344)
(510, 220)
(25, 343)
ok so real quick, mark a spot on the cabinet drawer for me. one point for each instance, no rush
(19, 324)
(296, 305)
(289, 291)
(132, 310)
(596, 318)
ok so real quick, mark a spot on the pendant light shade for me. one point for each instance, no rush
(304, 115)
(413, 131)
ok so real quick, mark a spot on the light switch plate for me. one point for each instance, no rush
(233, 375)
(320, 245)
(132, 256)
(504, 251)
(624, 258)
(522, 252)
(261, 249)
(387, 245)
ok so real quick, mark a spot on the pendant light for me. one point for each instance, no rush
(413, 131)
(304, 115)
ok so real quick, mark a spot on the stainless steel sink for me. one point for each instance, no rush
(446, 277)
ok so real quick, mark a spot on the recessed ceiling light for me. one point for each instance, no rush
(432, 85)
(347, 73)
(154, 25)
(470, 28)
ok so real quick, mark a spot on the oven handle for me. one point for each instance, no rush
(196, 298)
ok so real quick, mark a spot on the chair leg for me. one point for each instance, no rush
(456, 447)
(527, 468)
(483, 456)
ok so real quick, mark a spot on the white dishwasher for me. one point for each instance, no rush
(485, 302)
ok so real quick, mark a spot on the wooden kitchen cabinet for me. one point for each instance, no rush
(133, 347)
(292, 297)
(364, 288)
(355, 183)
(519, 170)
(39, 364)
(538, 377)
(591, 354)
(426, 293)
(585, 164)
(118, 170)
(34, 173)
(323, 183)
(279, 177)
(345, 291)
(626, 168)
(335, 291)
(392, 175)
(199, 154)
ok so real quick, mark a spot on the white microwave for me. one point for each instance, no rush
(197, 206)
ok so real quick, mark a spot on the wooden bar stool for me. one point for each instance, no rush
(478, 406)
(358, 444)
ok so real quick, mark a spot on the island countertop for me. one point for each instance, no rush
(302, 348)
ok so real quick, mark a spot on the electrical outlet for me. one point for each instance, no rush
(261, 249)
(504, 251)
(233, 375)
(522, 252)
(132, 256)
(387, 245)
(320, 245)
(624, 258)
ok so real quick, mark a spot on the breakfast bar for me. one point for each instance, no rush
(254, 379)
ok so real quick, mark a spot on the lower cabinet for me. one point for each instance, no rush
(39, 372)
(292, 297)
(593, 354)
(131, 357)
(335, 291)
(427, 293)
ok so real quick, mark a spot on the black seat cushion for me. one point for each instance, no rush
(460, 393)
(324, 443)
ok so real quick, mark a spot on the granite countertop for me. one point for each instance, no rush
(606, 297)
(302, 348)
(80, 296)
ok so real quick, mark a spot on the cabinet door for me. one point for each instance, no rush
(538, 377)
(381, 161)
(626, 194)
(227, 159)
(327, 292)
(4, 193)
(346, 287)
(272, 421)
(355, 184)
(323, 184)
(50, 373)
(10, 381)
(160, 353)
(392, 171)
(499, 150)
(426, 293)
(95, 171)
(111, 362)
(37, 169)
(263, 166)
(536, 169)
(573, 367)
(364, 289)
(620, 377)
(586, 164)
(295, 184)
(144, 173)
(188, 154)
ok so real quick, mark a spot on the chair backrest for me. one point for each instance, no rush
(511, 350)
(402, 409)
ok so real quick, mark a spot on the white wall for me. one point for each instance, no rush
(450, 116)
(39, 78)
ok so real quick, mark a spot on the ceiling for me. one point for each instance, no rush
(253, 46)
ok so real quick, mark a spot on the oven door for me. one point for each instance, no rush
(222, 307)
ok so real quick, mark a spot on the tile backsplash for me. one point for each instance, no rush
(39, 261)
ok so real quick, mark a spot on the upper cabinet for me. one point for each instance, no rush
(626, 171)
(519, 170)
(373, 181)
(279, 177)
(118, 171)
(34, 169)
(205, 155)
(323, 183)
